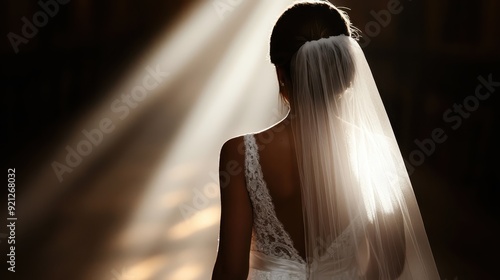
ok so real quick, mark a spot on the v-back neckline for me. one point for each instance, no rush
(252, 141)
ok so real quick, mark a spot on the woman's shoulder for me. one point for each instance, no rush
(265, 137)
(234, 148)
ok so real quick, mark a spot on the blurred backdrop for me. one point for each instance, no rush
(114, 113)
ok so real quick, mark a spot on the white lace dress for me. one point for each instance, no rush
(273, 255)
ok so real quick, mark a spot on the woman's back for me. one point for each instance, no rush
(280, 173)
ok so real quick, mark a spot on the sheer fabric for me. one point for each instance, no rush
(351, 169)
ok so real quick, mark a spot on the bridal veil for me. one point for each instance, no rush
(351, 169)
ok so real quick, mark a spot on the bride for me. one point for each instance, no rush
(323, 194)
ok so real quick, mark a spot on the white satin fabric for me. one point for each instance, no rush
(263, 267)
(268, 267)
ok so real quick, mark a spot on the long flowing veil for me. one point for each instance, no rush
(356, 192)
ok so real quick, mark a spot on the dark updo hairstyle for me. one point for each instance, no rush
(302, 22)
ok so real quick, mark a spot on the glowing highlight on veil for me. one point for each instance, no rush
(376, 174)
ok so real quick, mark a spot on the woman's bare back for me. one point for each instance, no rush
(279, 167)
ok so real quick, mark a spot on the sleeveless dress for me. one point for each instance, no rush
(272, 253)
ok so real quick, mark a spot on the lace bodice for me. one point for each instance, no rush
(269, 236)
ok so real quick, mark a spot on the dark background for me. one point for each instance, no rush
(426, 59)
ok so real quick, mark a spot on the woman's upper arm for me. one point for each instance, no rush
(236, 214)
